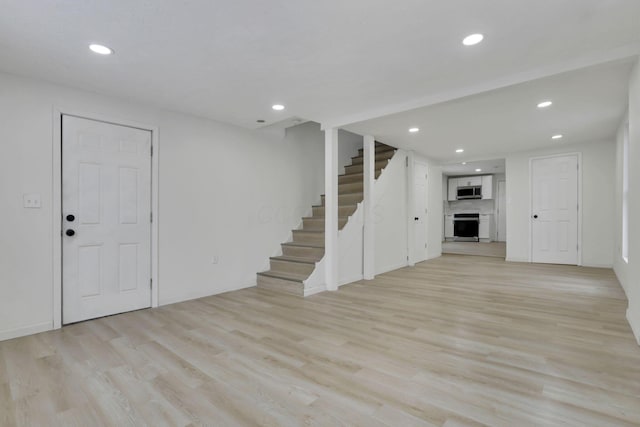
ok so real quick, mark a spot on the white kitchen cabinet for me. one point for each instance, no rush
(469, 181)
(448, 226)
(453, 189)
(486, 227)
(487, 186)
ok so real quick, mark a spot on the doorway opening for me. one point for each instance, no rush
(474, 198)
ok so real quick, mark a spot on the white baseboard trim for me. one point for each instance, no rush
(314, 290)
(354, 278)
(392, 268)
(24, 331)
(634, 322)
(598, 265)
(511, 259)
(207, 293)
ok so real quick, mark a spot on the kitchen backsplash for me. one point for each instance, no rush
(480, 206)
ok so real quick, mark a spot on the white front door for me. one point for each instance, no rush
(106, 219)
(502, 211)
(554, 215)
(420, 211)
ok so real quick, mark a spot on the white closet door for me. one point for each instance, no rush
(106, 221)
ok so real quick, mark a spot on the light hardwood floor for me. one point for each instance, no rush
(494, 249)
(456, 341)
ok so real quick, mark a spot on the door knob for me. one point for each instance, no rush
(71, 218)
(416, 219)
(69, 232)
(535, 216)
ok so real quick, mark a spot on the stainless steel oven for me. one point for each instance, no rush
(466, 227)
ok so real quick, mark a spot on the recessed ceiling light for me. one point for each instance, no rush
(414, 130)
(556, 136)
(278, 107)
(464, 163)
(460, 150)
(478, 170)
(472, 39)
(100, 49)
(545, 104)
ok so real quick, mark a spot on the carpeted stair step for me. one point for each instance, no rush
(352, 169)
(289, 283)
(315, 237)
(346, 210)
(296, 265)
(358, 160)
(355, 177)
(346, 199)
(303, 250)
(317, 222)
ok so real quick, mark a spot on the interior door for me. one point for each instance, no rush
(554, 216)
(106, 219)
(502, 211)
(420, 211)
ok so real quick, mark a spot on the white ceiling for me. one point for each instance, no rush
(492, 166)
(588, 106)
(328, 61)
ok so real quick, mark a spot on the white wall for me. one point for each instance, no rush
(390, 215)
(597, 210)
(350, 238)
(224, 191)
(629, 274)
(348, 145)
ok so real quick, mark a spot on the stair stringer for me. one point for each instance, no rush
(350, 260)
(350, 242)
(350, 248)
(390, 204)
(316, 282)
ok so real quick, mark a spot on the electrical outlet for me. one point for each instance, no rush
(31, 201)
(215, 259)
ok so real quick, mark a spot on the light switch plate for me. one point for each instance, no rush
(32, 201)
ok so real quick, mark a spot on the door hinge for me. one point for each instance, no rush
(151, 217)
(150, 283)
(406, 161)
(151, 150)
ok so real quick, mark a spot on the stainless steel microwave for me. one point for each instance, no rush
(466, 193)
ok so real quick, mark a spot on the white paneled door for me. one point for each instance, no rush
(554, 216)
(106, 219)
(420, 211)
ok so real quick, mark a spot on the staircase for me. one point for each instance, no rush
(299, 257)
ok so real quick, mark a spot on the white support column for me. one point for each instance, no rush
(411, 227)
(369, 177)
(331, 207)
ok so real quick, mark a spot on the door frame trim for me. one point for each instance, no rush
(578, 154)
(56, 184)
